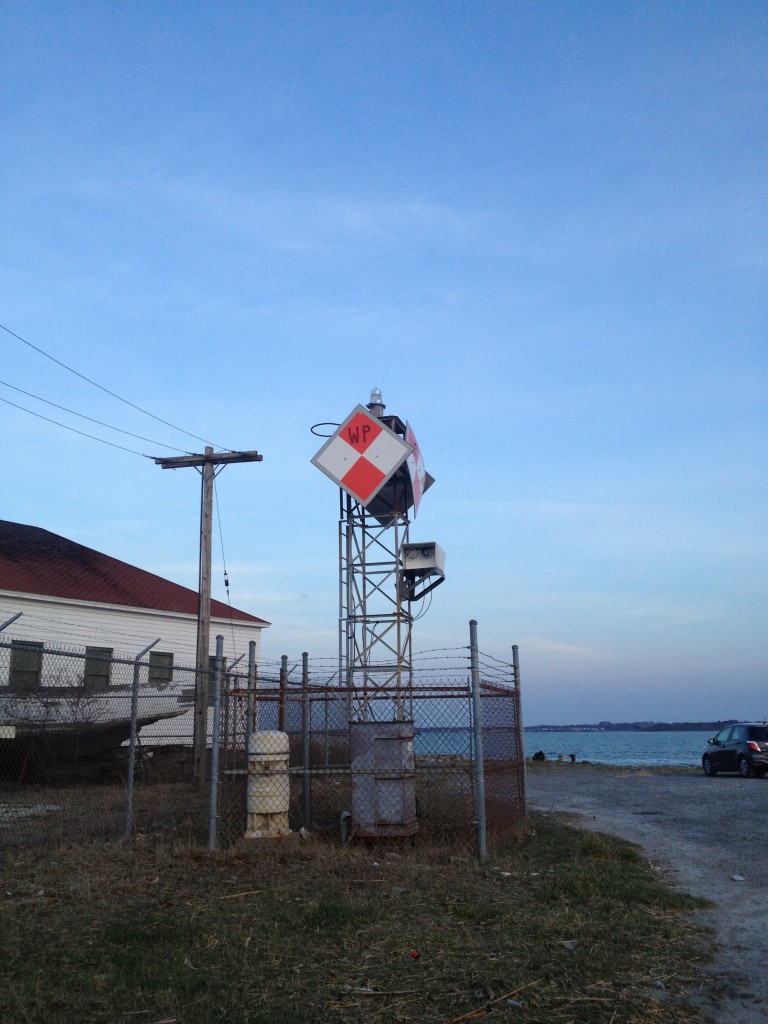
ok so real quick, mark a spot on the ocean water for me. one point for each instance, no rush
(631, 749)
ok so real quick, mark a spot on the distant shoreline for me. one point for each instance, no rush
(635, 727)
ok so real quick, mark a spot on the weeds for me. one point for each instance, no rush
(564, 927)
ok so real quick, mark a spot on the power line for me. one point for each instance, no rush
(75, 430)
(90, 419)
(105, 390)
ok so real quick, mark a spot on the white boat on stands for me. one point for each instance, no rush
(61, 724)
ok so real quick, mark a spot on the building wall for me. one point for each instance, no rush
(58, 622)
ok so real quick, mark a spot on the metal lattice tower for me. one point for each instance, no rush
(376, 462)
(375, 621)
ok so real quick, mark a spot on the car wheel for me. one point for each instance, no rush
(709, 768)
(746, 770)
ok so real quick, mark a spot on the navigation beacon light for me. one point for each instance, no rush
(376, 405)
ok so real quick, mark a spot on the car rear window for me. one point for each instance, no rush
(759, 733)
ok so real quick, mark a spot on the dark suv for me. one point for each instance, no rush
(741, 748)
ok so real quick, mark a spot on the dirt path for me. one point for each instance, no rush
(710, 832)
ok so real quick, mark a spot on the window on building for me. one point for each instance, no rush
(98, 665)
(26, 666)
(160, 669)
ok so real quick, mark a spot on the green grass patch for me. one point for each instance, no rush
(574, 926)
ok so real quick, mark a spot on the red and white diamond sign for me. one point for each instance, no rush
(362, 455)
(416, 468)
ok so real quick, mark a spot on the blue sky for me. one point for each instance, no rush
(539, 228)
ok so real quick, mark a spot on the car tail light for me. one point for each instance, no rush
(753, 746)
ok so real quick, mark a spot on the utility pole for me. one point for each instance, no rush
(206, 464)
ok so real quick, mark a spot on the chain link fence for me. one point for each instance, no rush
(65, 726)
(306, 766)
(426, 764)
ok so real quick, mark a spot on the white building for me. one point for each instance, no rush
(72, 598)
(71, 595)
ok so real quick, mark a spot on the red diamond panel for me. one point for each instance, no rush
(360, 432)
(363, 479)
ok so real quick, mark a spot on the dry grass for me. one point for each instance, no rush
(564, 927)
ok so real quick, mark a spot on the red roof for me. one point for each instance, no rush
(34, 561)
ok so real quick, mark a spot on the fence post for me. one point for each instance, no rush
(228, 727)
(305, 751)
(519, 700)
(213, 809)
(251, 713)
(519, 727)
(477, 728)
(283, 689)
(132, 743)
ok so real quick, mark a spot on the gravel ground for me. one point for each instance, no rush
(709, 833)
